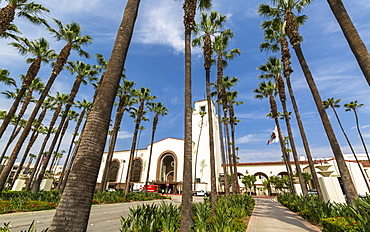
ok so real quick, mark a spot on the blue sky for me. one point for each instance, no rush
(156, 61)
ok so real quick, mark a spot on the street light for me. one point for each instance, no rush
(123, 165)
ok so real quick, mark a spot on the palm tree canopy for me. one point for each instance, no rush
(5, 79)
(157, 108)
(352, 106)
(331, 102)
(81, 69)
(265, 89)
(270, 69)
(71, 33)
(37, 48)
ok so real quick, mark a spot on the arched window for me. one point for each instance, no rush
(167, 168)
(113, 171)
(136, 170)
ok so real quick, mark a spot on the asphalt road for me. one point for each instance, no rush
(103, 218)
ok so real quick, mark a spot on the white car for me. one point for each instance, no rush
(201, 193)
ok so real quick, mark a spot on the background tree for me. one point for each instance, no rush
(353, 106)
(159, 110)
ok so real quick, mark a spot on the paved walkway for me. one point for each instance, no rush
(269, 215)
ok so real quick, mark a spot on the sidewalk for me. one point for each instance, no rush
(269, 215)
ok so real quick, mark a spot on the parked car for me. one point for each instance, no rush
(312, 192)
(201, 193)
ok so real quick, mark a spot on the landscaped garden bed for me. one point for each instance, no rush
(331, 217)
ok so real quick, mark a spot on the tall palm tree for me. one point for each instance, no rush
(74, 208)
(226, 84)
(220, 47)
(268, 90)
(272, 69)
(330, 102)
(84, 75)
(71, 33)
(189, 7)
(126, 95)
(60, 100)
(144, 97)
(231, 99)
(85, 106)
(286, 8)
(353, 106)
(36, 85)
(275, 40)
(41, 53)
(24, 9)
(49, 103)
(354, 40)
(209, 26)
(159, 110)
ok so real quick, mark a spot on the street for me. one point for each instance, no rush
(102, 218)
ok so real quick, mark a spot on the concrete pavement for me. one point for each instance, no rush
(269, 215)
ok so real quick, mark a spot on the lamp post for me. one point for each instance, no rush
(123, 165)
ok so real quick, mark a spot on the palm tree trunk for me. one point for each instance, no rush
(353, 151)
(112, 143)
(186, 222)
(232, 127)
(223, 155)
(348, 185)
(354, 40)
(281, 87)
(282, 145)
(155, 122)
(73, 210)
(292, 32)
(62, 58)
(359, 133)
(30, 76)
(6, 17)
(75, 87)
(61, 178)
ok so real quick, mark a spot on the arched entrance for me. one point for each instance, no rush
(167, 168)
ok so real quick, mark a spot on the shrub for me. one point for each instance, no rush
(339, 224)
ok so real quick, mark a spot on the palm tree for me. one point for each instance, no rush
(41, 53)
(268, 89)
(160, 110)
(226, 84)
(273, 69)
(36, 85)
(330, 102)
(25, 9)
(354, 40)
(71, 33)
(85, 106)
(74, 208)
(274, 41)
(209, 26)
(219, 46)
(125, 94)
(10, 32)
(49, 103)
(231, 99)
(286, 8)
(144, 97)
(60, 99)
(83, 71)
(189, 7)
(353, 106)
